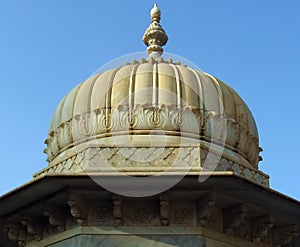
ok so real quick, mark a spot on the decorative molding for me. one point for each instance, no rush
(170, 215)
(210, 126)
(248, 145)
(158, 158)
(215, 127)
(124, 158)
(78, 208)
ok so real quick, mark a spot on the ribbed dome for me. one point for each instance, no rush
(126, 100)
(151, 116)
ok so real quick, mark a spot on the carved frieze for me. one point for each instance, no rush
(100, 213)
(141, 213)
(98, 159)
(209, 125)
(215, 127)
(123, 158)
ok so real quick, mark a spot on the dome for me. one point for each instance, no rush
(102, 107)
(180, 106)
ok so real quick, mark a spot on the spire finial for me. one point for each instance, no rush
(155, 36)
(155, 13)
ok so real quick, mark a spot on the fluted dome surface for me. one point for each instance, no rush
(150, 94)
(153, 116)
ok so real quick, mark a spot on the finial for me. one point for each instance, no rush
(155, 36)
(155, 13)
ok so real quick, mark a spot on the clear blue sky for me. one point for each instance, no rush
(48, 47)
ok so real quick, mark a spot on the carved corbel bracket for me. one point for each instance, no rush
(283, 235)
(261, 227)
(78, 208)
(117, 209)
(164, 209)
(32, 226)
(206, 207)
(233, 217)
(15, 233)
(56, 218)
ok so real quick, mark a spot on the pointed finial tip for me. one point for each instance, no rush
(155, 13)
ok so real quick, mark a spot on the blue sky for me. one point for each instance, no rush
(48, 47)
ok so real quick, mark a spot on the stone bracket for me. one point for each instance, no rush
(261, 227)
(233, 217)
(117, 209)
(283, 235)
(78, 208)
(206, 208)
(15, 233)
(56, 218)
(164, 209)
(33, 226)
